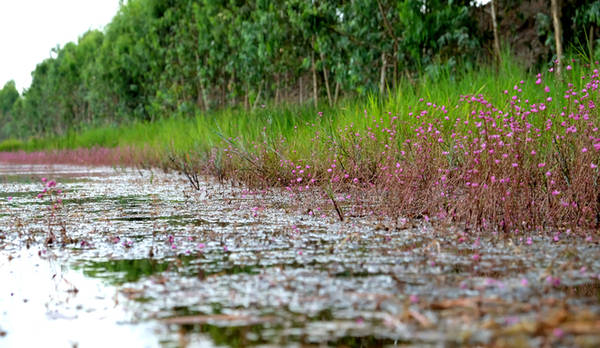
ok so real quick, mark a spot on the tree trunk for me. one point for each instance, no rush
(230, 88)
(314, 75)
(326, 78)
(223, 96)
(199, 102)
(395, 66)
(286, 87)
(390, 32)
(202, 89)
(300, 87)
(204, 96)
(495, 29)
(276, 89)
(382, 76)
(337, 92)
(257, 96)
(201, 98)
(591, 38)
(557, 35)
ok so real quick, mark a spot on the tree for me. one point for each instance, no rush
(8, 97)
(495, 30)
(557, 34)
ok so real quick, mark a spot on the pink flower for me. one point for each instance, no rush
(555, 192)
(547, 89)
(569, 67)
(554, 281)
(558, 332)
(593, 166)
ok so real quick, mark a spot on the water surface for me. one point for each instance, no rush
(146, 261)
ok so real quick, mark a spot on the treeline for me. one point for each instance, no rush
(159, 58)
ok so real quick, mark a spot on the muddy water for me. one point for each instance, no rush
(139, 259)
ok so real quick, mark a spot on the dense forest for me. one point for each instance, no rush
(161, 58)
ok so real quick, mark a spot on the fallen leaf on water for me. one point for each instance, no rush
(131, 293)
(470, 302)
(554, 318)
(490, 325)
(423, 321)
(522, 327)
(204, 319)
(582, 327)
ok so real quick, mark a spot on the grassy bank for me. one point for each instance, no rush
(493, 150)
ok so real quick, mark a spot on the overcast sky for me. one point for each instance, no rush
(29, 29)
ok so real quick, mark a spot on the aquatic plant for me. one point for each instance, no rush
(523, 164)
(507, 152)
(54, 214)
(96, 155)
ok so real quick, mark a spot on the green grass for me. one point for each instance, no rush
(203, 131)
(483, 159)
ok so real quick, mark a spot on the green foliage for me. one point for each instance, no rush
(9, 96)
(160, 59)
(200, 134)
(11, 145)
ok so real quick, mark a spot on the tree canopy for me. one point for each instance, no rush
(159, 58)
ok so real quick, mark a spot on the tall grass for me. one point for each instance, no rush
(492, 148)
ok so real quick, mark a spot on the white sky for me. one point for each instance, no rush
(29, 29)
